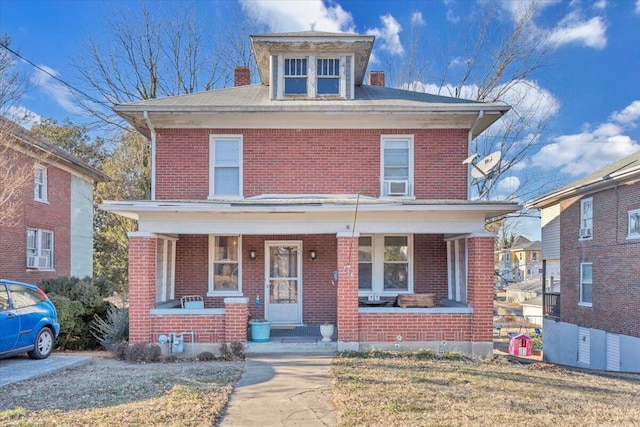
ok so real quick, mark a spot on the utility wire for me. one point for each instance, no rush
(91, 98)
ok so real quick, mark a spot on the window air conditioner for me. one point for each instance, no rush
(43, 262)
(31, 261)
(397, 188)
(585, 232)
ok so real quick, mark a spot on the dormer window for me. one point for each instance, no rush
(328, 72)
(311, 77)
(295, 76)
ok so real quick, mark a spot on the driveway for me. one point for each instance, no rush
(21, 368)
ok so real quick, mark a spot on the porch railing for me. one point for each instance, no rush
(552, 305)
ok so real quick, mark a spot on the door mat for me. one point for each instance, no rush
(298, 340)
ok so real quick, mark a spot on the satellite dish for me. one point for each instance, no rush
(484, 167)
(482, 171)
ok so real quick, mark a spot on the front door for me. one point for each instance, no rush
(283, 282)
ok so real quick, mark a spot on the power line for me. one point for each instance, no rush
(89, 97)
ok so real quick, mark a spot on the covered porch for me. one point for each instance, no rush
(310, 262)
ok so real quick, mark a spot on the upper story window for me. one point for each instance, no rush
(295, 76)
(586, 218)
(586, 283)
(311, 76)
(397, 166)
(534, 256)
(225, 166)
(634, 224)
(224, 265)
(328, 76)
(39, 249)
(40, 184)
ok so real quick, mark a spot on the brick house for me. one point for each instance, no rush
(592, 229)
(304, 197)
(52, 232)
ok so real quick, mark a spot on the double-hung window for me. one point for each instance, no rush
(634, 224)
(295, 76)
(40, 184)
(396, 165)
(586, 283)
(224, 265)
(39, 249)
(225, 166)
(385, 264)
(328, 76)
(586, 218)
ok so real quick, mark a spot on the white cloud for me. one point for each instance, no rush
(572, 30)
(417, 19)
(600, 4)
(389, 35)
(630, 116)
(637, 10)
(452, 17)
(508, 185)
(58, 92)
(588, 150)
(457, 62)
(23, 116)
(283, 16)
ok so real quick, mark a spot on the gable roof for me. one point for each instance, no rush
(37, 143)
(623, 170)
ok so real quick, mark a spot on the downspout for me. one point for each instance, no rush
(145, 115)
(469, 141)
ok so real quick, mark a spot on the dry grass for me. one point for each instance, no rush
(111, 393)
(381, 391)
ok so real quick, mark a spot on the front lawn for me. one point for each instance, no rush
(384, 390)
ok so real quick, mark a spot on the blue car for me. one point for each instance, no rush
(28, 321)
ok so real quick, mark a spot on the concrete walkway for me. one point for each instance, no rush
(282, 390)
(21, 368)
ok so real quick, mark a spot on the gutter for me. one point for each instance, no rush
(469, 142)
(145, 115)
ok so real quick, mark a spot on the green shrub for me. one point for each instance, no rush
(112, 329)
(77, 302)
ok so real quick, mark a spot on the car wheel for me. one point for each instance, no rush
(43, 345)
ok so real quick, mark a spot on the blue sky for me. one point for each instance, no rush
(592, 80)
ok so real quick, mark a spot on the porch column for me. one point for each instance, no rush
(236, 316)
(347, 305)
(142, 285)
(480, 293)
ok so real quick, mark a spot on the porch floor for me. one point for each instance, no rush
(296, 339)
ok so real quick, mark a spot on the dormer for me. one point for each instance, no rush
(312, 65)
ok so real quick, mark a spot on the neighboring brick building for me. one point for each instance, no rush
(261, 192)
(51, 234)
(593, 320)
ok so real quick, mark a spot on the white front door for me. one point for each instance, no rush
(283, 282)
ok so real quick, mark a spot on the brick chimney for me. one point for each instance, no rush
(376, 78)
(242, 76)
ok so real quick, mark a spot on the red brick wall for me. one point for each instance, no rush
(616, 270)
(480, 286)
(142, 291)
(290, 161)
(208, 329)
(430, 265)
(348, 321)
(414, 327)
(54, 216)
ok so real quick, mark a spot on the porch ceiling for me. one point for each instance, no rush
(310, 215)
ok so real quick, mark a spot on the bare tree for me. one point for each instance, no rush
(497, 62)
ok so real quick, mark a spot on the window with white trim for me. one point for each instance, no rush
(40, 184)
(634, 224)
(225, 166)
(295, 76)
(586, 218)
(39, 249)
(385, 264)
(396, 166)
(328, 76)
(586, 283)
(165, 269)
(225, 276)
